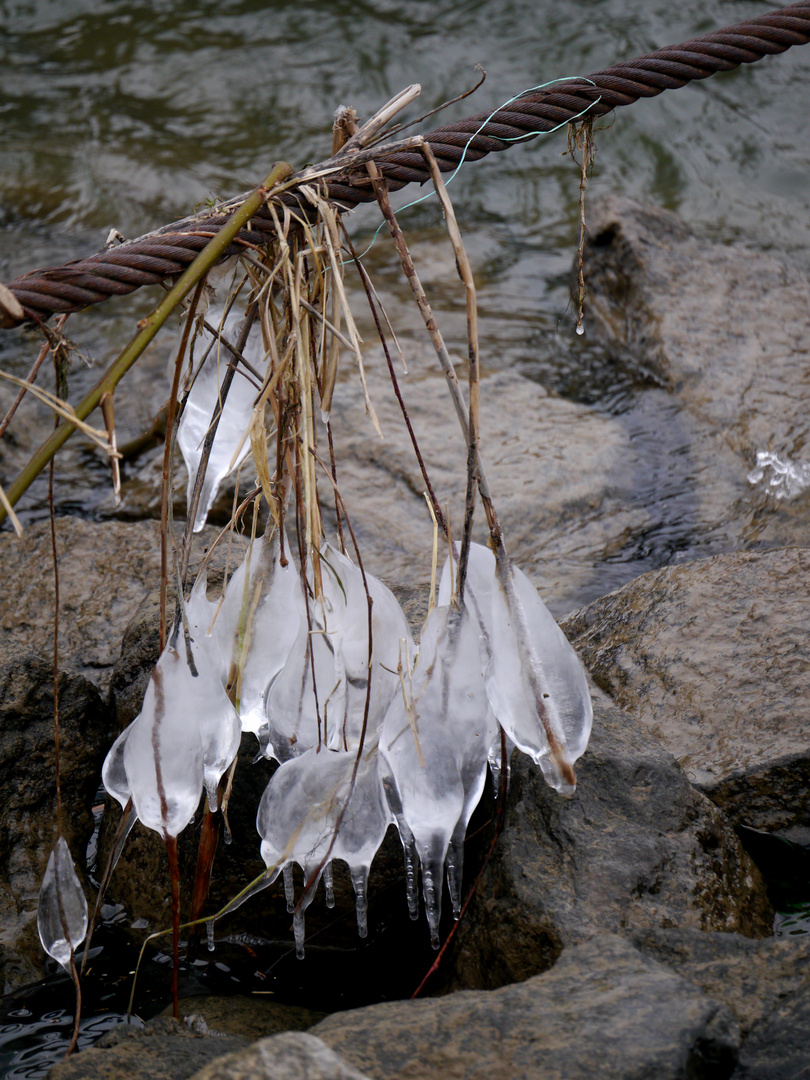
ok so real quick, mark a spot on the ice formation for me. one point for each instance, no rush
(414, 747)
(320, 695)
(62, 908)
(183, 740)
(435, 742)
(320, 806)
(230, 446)
(780, 477)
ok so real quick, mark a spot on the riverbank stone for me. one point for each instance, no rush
(718, 335)
(635, 847)
(105, 571)
(711, 658)
(28, 822)
(603, 1010)
(557, 471)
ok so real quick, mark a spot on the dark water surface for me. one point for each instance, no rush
(125, 114)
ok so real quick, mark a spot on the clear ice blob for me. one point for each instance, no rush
(184, 739)
(230, 446)
(312, 812)
(780, 477)
(535, 680)
(62, 908)
(434, 743)
(319, 698)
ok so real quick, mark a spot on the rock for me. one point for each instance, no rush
(724, 327)
(778, 1048)
(27, 772)
(710, 657)
(160, 1050)
(750, 977)
(557, 471)
(253, 1017)
(603, 1010)
(723, 332)
(636, 847)
(105, 570)
(291, 1056)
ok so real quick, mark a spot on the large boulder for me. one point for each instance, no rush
(557, 471)
(719, 335)
(105, 571)
(710, 657)
(28, 824)
(603, 1010)
(636, 847)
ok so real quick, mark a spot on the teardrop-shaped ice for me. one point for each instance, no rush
(390, 639)
(230, 445)
(62, 908)
(268, 626)
(312, 812)
(435, 740)
(535, 680)
(186, 736)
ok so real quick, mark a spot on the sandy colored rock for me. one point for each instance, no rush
(711, 657)
(291, 1056)
(603, 1010)
(105, 570)
(556, 469)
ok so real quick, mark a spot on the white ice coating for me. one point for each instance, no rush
(62, 908)
(185, 737)
(534, 678)
(230, 447)
(299, 813)
(337, 635)
(433, 749)
(780, 477)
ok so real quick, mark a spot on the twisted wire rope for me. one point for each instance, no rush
(150, 259)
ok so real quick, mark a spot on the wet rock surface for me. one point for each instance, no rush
(603, 1010)
(161, 1050)
(711, 658)
(556, 469)
(105, 571)
(722, 332)
(636, 846)
(27, 780)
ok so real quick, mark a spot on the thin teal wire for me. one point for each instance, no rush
(515, 138)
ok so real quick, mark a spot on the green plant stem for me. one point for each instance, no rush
(149, 327)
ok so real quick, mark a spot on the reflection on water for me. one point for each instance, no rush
(129, 114)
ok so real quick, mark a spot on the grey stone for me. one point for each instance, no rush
(28, 824)
(603, 1010)
(779, 1048)
(711, 658)
(636, 847)
(750, 977)
(105, 570)
(160, 1050)
(723, 332)
(557, 471)
(291, 1056)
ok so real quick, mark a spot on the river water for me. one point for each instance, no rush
(126, 114)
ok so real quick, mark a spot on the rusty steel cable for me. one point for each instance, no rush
(151, 259)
